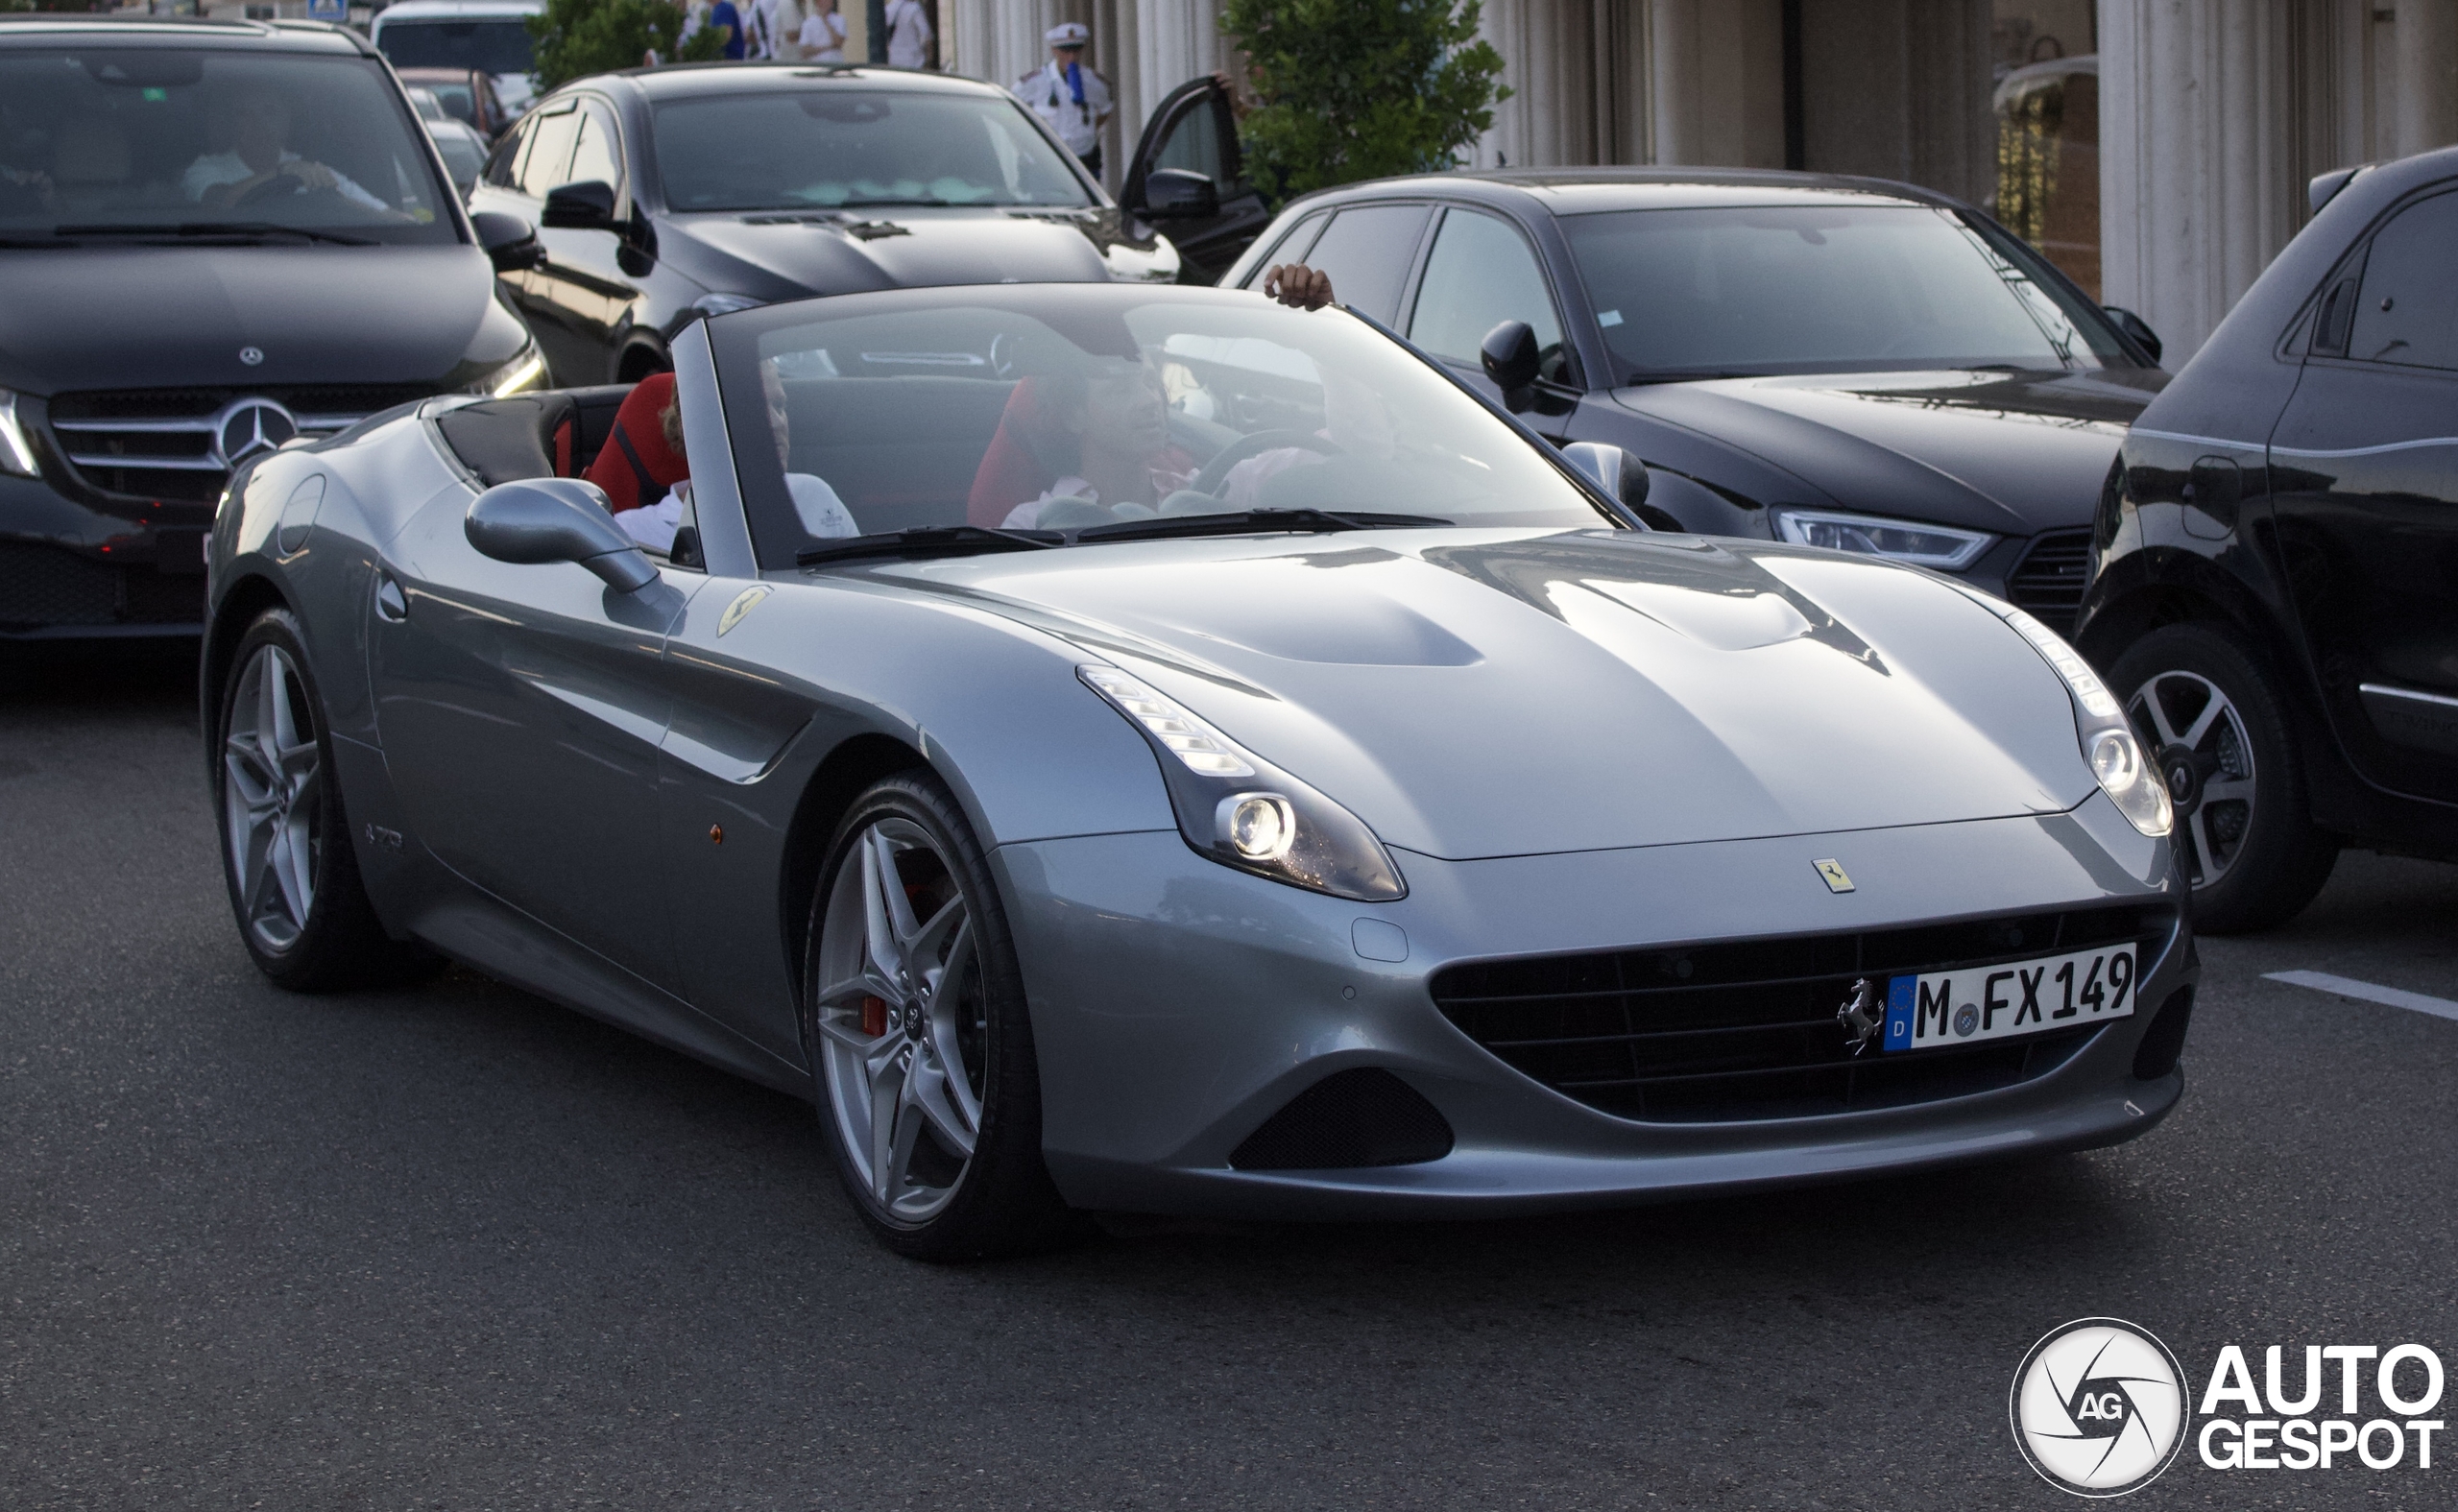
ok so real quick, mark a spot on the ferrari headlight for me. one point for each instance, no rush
(16, 447)
(1915, 542)
(2108, 744)
(1243, 811)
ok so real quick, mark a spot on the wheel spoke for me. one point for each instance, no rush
(247, 768)
(2213, 868)
(896, 1132)
(2201, 727)
(868, 984)
(928, 944)
(256, 866)
(289, 868)
(2239, 789)
(879, 933)
(928, 1090)
(2153, 706)
(280, 728)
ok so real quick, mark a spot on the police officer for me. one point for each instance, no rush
(1071, 98)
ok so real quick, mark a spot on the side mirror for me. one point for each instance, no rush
(588, 205)
(1620, 475)
(1509, 354)
(533, 520)
(511, 242)
(1179, 194)
(2134, 326)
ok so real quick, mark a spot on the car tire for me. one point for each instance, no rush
(287, 859)
(2207, 709)
(913, 1013)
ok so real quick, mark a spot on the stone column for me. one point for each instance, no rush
(2426, 75)
(1716, 83)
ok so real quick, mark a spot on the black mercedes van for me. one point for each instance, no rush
(215, 238)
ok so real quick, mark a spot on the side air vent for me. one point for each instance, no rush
(2050, 579)
(2155, 1056)
(1366, 1117)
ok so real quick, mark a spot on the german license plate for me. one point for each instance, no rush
(1936, 1009)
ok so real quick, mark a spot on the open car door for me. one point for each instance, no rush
(1194, 131)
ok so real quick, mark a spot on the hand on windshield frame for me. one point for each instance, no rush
(1298, 286)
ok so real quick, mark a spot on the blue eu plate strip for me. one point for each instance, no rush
(1899, 1012)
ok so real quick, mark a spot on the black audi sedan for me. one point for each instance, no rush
(1839, 362)
(215, 238)
(2276, 591)
(665, 194)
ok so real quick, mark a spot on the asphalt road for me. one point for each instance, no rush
(458, 1248)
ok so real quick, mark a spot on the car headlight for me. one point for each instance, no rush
(525, 370)
(1243, 811)
(2109, 743)
(16, 447)
(1915, 542)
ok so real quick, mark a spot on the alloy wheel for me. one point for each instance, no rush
(2202, 751)
(904, 1022)
(270, 798)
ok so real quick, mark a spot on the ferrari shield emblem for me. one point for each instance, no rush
(1833, 873)
(748, 600)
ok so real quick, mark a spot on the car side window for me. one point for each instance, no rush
(596, 158)
(2407, 310)
(1482, 273)
(1195, 144)
(1292, 247)
(1368, 250)
(549, 153)
(503, 165)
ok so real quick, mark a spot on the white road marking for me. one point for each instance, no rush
(2349, 987)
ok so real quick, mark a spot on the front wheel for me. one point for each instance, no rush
(2204, 705)
(920, 1044)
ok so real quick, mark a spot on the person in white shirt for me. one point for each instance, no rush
(783, 24)
(822, 513)
(1071, 98)
(257, 123)
(823, 36)
(908, 35)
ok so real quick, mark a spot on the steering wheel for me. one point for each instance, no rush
(1217, 471)
(281, 184)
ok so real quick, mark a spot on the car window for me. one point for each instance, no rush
(594, 158)
(504, 163)
(1195, 144)
(1822, 289)
(1061, 407)
(822, 147)
(494, 44)
(130, 142)
(550, 153)
(1481, 273)
(1291, 248)
(2407, 311)
(1367, 252)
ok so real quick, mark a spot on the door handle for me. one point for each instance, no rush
(391, 603)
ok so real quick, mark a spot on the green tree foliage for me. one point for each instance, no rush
(579, 38)
(1357, 90)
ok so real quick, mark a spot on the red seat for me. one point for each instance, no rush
(636, 467)
(1013, 468)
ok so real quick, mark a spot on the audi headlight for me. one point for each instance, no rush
(1243, 811)
(1921, 544)
(2109, 743)
(16, 447)
(526, 371)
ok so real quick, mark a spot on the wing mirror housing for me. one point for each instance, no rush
(1621, 476)
(2134, 326)
(1179, 194)
(588, 205)
(1510, 358)
(533, 520)
(510, 241)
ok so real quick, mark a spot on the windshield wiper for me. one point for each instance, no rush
(960, 541)
(214, 229)
(1245, 521)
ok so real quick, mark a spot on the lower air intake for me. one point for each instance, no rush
(1350, 1118)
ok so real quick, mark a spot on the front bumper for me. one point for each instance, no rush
(1177, 1005)
(75, 568)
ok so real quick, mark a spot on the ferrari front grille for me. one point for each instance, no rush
(1747, 1030)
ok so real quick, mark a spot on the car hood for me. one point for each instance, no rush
(2011, 453)
(173, 316)
(787, 255)
(1483, 693)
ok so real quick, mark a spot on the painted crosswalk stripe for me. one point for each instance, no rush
(2349, 987)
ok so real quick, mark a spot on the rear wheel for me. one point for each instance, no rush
(2204, 702)
(286, 856)
(920, 1044)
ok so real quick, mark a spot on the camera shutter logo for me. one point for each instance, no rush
(2099, 1407)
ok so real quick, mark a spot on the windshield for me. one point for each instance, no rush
(1064, 407)
(117, 141)
(823, 147)
(1820, 289)
(496, 45)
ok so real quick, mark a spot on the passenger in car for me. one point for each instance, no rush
(255, 124)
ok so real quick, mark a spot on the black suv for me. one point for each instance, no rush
(2275, 559)
(215, 237)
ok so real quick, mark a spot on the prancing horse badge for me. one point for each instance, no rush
(743, 604)
(1832, 872)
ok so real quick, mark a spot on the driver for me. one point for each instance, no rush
(255, 122)
(1118, 417)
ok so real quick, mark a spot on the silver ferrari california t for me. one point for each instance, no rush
(1146, 749)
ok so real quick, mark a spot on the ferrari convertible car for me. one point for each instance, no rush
(1146, 749)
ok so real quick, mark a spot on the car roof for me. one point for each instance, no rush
(1587, 191)
(680, 80)
(51, 29)
(425, 9)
